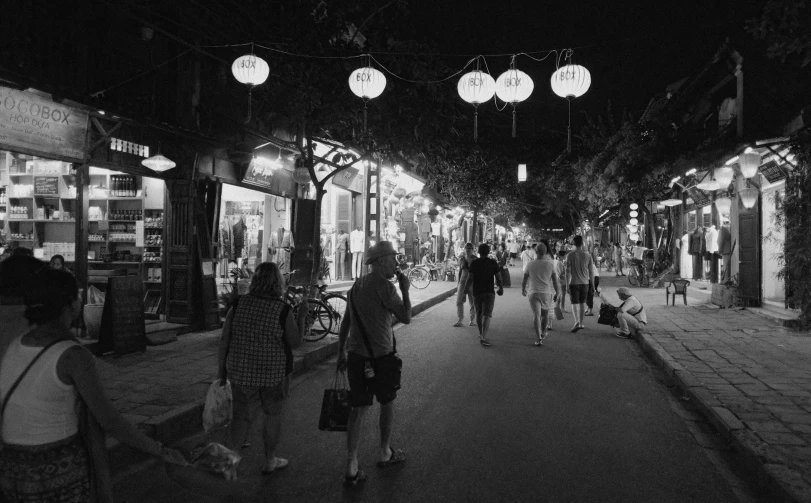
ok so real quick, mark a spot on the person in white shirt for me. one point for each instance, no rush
(513, 248)
(528, 256)
(631, 316)
(542, 287)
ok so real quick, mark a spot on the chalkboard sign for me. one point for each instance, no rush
(46, 185)
(122, 321)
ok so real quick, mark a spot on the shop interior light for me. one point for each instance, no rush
(159, 163)
(522, 172)
(691, 172)
(731, 161)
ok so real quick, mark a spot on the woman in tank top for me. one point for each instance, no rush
(44, 457)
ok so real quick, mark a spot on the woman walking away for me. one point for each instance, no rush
(542, 287)
(618, 260)
(461, 293)
(256, 356)
(563, 279)
(53, 403)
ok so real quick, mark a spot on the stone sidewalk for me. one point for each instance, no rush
(750, 377)
(162, 390)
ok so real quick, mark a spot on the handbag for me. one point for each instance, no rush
(335, 405)
(558, 312)
(608, 315)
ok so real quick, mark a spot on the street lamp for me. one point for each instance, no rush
(522, 172)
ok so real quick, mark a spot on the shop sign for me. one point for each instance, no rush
(772, 172)
(699, 196)
(31, 122)
(349, 178)
(46, 185)
(275, 179)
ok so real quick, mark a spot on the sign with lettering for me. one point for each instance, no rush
(46, 186)
(34, 123)
(699, 196)
(122, 320)
(772, 171)
(271, 176)
(349, 178)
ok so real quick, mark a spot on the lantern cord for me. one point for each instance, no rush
(569, 130)
(141, 74)
(365, 108)
(513, 120)
(475, 123)
(422, 81)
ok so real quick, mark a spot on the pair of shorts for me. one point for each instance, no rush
(513, 255)
(362, 390)
(270, 398)
(484, 302)
(578, 293)
(541, 301)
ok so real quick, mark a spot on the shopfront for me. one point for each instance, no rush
(341, 215)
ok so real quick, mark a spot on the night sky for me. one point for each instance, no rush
(633, 48)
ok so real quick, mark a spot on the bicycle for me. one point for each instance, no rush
(419, 275)
(643, 272)
(319, 315)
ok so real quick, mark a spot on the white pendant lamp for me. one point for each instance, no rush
(749, 163)
(475, 88)
(749, 197)
(513, 87)
(724, 176)
(367, 83)
(159, 163)
(724, 205)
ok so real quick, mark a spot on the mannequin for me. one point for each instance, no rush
(712, 247)
(326, 248)
(357, 245)
(239, 231)
(341, 246)
(226, 246)
(698, 246)
(281, 248)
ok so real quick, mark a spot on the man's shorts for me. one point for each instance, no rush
(361, 390)
(578, 293)
(484, 303)
(541, 302)
(514, 255)
(270, 398)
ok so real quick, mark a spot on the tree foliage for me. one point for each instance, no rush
(783, 24)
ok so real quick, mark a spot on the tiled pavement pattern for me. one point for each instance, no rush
(162, 389)
(751, 378)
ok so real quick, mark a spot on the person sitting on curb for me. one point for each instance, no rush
(631, 314)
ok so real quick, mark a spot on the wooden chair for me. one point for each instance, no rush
(679, 287)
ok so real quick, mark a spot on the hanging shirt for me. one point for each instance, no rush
(712, 239)
(357, 242)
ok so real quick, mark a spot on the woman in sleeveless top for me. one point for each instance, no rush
(461, 294)
(256, 356)
(44, 457)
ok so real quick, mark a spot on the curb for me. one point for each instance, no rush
(187, 419)
(759, 459)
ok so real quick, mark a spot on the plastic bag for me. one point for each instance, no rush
(218, 410)
(217, 458)
(95, 296)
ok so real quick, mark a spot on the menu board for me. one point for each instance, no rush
(122, 320)
(46, 185)
(772, 171)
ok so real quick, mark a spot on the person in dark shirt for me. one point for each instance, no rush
(484, 271)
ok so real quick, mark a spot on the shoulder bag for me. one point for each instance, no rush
(388, 368)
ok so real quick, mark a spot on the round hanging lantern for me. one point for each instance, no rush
(634, 221)
(634, 214)
(723, 204)
(633, 228)
(514, 86)
(634, 206)
(476, 88)
(749, 197)
(367, 83)
(571, 81)
(409, 204)
(250, 69)
(301, 175)
(724, 176)
(634, 237)
(749, 164)
(418, 199)
(399, 192)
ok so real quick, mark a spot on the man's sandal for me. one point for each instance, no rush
(397, 456)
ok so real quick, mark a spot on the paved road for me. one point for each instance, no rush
(584, 418)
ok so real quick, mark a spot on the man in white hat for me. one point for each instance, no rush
(368, 352)
(631, 314)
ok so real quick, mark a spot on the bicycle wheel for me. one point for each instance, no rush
(318, 321)
(644, 280)
(337, 303)
(632, 278)
(419, 277)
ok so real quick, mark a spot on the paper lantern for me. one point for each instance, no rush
(634, 237)
(724, 205)
(250, 69)
(634, 214)
(670, 202)
(522, 172)
(724, 176)
(708, 185)
(367, 83)
(634, 206)
(476, 88)
(748, 196)
(301, 175)
(418, 199)
(749, 163)
(514, 86)
(399, 192)
(571, 81)
(158, 163)
(633, 228)
(634, 221)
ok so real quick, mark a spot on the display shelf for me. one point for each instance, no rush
(114, 262)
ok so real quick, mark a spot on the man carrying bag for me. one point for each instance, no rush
(367, 350)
